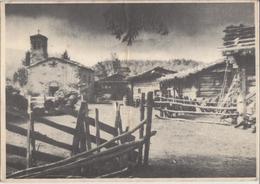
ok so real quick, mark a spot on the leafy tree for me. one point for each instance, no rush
(100, 70)
(116, 65)
(21, 76)
(126, 21)
(26, 61)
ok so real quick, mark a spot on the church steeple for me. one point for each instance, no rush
(38, 47)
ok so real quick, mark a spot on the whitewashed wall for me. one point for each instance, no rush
(66, 75)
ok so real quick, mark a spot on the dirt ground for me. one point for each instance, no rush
(179, 149)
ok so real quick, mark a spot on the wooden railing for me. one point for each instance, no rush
(185, 106)
(131, 151)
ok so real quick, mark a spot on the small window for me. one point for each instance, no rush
(139, 90)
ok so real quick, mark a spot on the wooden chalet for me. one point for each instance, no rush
(147, 81)
(203, 81)
(114, 87)
(222, 79)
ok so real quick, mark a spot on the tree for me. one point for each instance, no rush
(21, 76)
(100, 70)
(125, 21)
(116, 65)
(27, 60)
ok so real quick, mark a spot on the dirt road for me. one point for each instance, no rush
(194, 149)
(179, 149)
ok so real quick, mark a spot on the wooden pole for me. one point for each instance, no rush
(70, 163)
(79, 139)
(33, 139)
(118, 121)
(97, 128)
(29, 126)
(84, 154)
(82, 128)
(85, 171)
(141, 130)
(243, 90)
(88, 138)
(148, 126)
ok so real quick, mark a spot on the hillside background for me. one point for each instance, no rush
(134, 67)
(108, 67)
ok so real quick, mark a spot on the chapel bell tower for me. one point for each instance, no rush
(38, 48)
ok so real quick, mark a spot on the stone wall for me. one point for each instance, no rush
(55, 73)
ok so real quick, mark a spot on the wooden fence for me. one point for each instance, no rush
(125, 150)
(170, 106)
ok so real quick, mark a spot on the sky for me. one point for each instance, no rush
(195, 31)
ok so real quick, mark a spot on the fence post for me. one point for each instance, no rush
(29, 134)
(79, 139)
(148, 126)
(243, 90)
(33, 139)
(86, 139)
(118, 121)
(82, 130)
(97, 128)
(86, 127)
(141, 130)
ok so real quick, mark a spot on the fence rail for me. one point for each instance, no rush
(195, 106)
(84, 155)
(168, 106)
(200, 113)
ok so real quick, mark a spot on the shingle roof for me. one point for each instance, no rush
(114, 77)
(191, 71)
(154, 73)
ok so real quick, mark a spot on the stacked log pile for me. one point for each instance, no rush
(238, 38)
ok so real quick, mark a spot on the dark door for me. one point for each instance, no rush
(52, 90)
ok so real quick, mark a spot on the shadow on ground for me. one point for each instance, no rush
(198, 166)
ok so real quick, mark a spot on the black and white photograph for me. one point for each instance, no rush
(101, 90)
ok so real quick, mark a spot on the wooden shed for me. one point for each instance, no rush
(223, 79)
(147, 81)
(203, 81)
(114, 86)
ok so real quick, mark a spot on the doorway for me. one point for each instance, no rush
(53, 87)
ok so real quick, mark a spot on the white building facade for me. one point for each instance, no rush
(46, 74)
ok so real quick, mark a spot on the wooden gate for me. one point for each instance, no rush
(89, 153)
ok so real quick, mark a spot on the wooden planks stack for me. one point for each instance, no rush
(238, 38)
